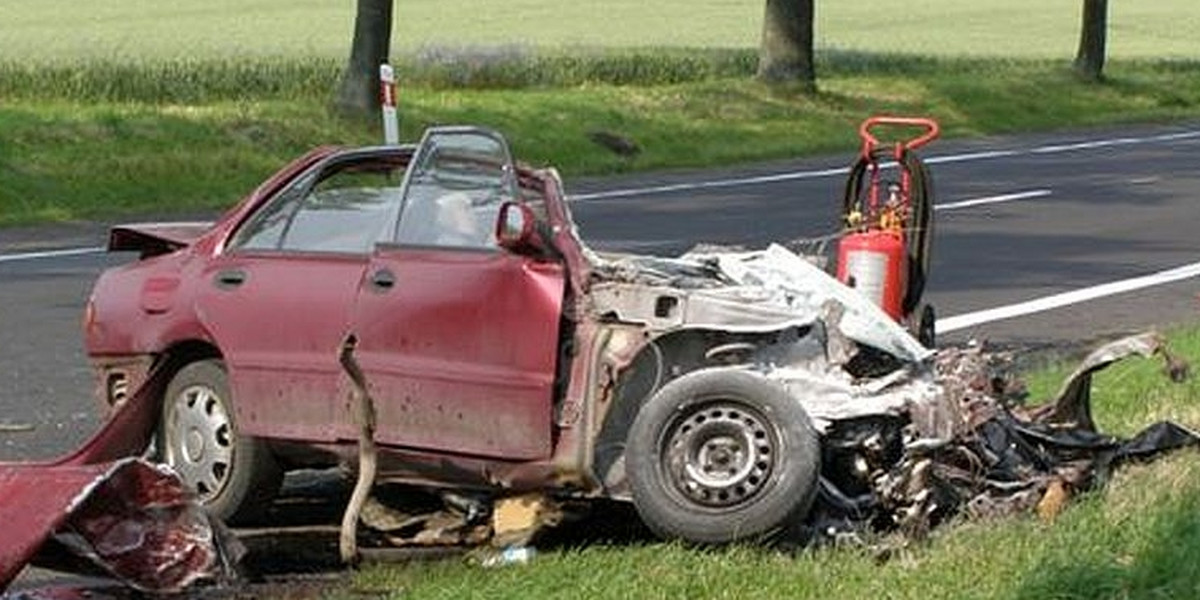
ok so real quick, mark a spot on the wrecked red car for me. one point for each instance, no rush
(721, 391)
(501, 353)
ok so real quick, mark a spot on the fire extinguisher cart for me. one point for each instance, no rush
(888, 224)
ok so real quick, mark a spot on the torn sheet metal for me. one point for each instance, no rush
(832, 395)
(743, 291)
(408, 517)
(893, 473)
(33, 502)
(517, 519)
(130, 519)
(103, 510)
(768, 290)
(1072, 405)
(799, 285)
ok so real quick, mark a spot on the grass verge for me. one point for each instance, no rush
(1137, 538)
(61, 29)
(83, 150)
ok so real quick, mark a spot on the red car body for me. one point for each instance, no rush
(500, 352)
(461, 345)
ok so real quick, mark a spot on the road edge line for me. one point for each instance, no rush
(1045, 303)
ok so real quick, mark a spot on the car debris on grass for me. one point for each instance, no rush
(981, 453)
(430, 316)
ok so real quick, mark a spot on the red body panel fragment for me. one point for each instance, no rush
(128, 517)
(34, 501)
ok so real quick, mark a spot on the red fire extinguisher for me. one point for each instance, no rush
(884, 252)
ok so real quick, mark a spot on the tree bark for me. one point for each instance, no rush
(1089, 60)
(785, 54)
(358, 91)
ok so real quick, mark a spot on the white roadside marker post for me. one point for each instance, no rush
(387, 101)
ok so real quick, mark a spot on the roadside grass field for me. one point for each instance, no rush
(75, 156)
(1136, 538)
(168, 29)
(122, 107)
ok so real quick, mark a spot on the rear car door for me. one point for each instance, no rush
(457, 338)
(279, 298)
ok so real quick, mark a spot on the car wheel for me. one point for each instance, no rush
(722, 455)
(234, 476)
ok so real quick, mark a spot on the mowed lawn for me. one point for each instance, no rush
(136, 29)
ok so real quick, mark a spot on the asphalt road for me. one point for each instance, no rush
(1021, 221)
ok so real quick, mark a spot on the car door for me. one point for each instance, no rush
(279, 298)
(457, 338)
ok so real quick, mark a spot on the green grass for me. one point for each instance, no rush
(193, 81)
(1137, 538)
(117, 107)
(65, 161)
(64, 30)
(164, 137)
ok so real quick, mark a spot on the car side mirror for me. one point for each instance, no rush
(516, 229)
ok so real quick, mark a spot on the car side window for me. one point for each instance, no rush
(454, 191)
(343, 213)
(346, 210)
(265, 229)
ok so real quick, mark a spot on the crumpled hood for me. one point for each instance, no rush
(748, 291)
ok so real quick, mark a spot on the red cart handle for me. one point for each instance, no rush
(870, 142)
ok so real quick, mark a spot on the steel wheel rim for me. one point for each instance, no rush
(199, 441)
(720, 454)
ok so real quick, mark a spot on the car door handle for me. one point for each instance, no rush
(230, 278)
(383, 280)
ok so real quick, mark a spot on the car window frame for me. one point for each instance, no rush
(508, 167)
(303, 184)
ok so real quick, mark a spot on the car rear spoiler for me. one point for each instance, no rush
(152, 239)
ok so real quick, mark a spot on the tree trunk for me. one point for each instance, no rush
(1089, 61)
(786, 52)
(358, 92)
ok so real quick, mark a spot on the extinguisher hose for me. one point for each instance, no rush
(918, 233)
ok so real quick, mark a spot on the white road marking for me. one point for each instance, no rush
(992, 200)
(1046, 303)
(957, 158)
(716, 183)
(933, 160)
(1085, 145)
(50, 254)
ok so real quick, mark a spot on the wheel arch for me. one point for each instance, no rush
(660, 360)
(235, 475)
(133, 417)
(184, 352)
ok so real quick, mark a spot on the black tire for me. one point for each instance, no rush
(927, 327)
(235, 476)
(720, 456)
